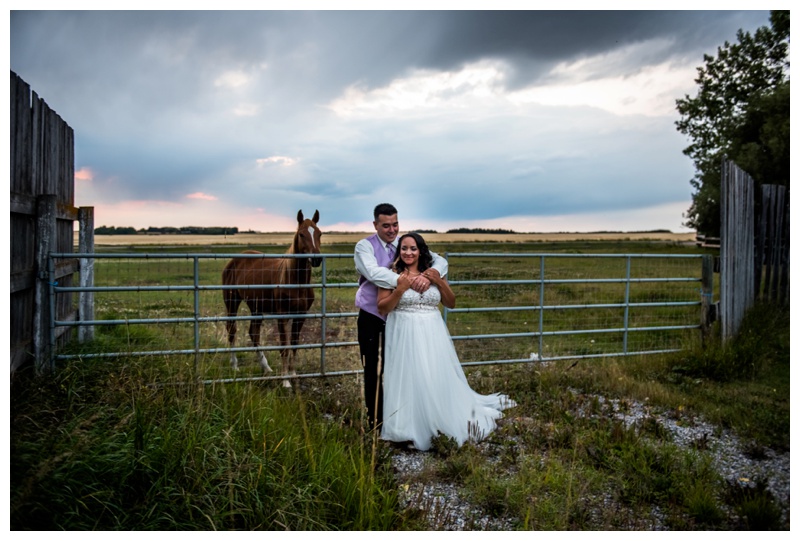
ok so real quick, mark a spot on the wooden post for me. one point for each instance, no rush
(779, 205)
(760, 245)
(45, 241)
(706, 297)
(768, 211)
(784, 293)
(737, 287)
(86, 246)
(775, 238)
(725, 268)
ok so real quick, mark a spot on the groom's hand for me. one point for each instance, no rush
(421, 283)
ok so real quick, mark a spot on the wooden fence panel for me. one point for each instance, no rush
(23, 225)
(737, 247)
(754, 251)
(42, 161)
(773, 254)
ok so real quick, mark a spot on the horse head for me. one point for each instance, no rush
(308, 236)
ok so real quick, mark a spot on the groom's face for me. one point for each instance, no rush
(387, 227)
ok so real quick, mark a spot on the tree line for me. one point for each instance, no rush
(187, 230)
(741, 112)
(481, 230)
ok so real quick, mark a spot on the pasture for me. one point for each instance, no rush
(113, 443)
(260, 239)
(592, 312)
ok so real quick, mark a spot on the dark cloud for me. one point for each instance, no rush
(166, 103)
(349, 46)
(535, 40)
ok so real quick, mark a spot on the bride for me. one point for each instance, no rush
(425, 389)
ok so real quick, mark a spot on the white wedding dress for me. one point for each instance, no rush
(425, 391)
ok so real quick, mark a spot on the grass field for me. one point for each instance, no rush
(506, 261)
(352, 238)
(97, 446)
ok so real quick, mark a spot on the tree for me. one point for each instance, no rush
(760, 144)
(741, 111)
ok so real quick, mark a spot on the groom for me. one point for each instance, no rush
(373, 257)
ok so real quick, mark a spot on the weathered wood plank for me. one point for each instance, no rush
(86, 298)
(42, 195)
(45, 237)
(737, 253)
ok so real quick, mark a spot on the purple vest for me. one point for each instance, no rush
(367, 294)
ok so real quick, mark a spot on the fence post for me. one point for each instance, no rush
(45, 240)
(706, 297)
(737, 253)
(627, 303)
(778, 206)
(323, 324)
(784, 291)
(541, 307)
(86, 246)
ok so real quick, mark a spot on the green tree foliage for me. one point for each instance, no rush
(482, 231)
(761, 142)
(741, 111)
(112, 230)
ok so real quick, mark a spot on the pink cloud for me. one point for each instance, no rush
(158, 213)
(201, 195)
(84, 173)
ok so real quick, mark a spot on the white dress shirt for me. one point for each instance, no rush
(368, 267)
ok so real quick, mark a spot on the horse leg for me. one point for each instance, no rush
(255, 338)
(297, 326)
(285, 352)
(232, 301)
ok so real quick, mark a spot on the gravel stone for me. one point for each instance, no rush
(445, 509)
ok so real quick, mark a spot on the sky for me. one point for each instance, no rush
(535, 121)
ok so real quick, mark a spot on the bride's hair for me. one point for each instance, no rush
(425, 257)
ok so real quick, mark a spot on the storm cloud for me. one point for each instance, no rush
(460, 118)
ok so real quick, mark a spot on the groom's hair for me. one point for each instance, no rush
(385, 209)
(425, 257)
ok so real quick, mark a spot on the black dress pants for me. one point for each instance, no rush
(371, 338)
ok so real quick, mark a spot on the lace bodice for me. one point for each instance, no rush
(411, 301)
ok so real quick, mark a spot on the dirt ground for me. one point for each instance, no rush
(352, 238)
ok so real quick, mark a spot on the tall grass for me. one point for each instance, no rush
(95, 448)
(763, 340)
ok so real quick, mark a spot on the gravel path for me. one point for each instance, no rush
(444, 508)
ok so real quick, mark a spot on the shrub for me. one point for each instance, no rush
(762, 339)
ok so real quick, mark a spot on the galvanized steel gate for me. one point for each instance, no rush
(695, 282)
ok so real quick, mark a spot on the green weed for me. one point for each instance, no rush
(108, 452)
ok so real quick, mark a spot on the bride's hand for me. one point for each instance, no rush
(403, 281)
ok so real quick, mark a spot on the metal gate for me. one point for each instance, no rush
(512, 307)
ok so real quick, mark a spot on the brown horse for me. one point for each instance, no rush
(283, 301)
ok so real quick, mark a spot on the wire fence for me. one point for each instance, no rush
(511, 308)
